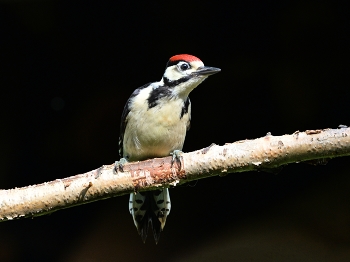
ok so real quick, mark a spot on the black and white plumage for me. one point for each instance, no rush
(154, 124)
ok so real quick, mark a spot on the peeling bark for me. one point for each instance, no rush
(265, 153)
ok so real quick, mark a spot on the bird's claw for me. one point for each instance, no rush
(118, 165)
(177, 155)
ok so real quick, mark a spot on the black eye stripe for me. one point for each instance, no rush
(172, 83)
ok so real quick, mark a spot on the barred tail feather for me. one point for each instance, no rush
(150, 207)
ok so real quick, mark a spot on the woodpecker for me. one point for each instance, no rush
(154, 124)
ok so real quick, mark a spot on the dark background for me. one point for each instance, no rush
(68, 67)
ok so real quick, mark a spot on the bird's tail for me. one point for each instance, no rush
(150, 207)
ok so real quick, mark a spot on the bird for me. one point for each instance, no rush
(154, 123)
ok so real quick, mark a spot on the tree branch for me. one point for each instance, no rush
(264, 153)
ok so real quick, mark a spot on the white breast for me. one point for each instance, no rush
(154, 132)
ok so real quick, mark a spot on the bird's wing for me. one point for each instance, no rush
(124, 121)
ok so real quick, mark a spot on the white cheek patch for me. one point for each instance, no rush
(172, 73)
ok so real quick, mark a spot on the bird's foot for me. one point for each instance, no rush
(177, 156)
(118, 165)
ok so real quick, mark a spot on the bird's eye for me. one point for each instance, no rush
(184, 66)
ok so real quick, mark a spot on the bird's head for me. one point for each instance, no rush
(185, 72)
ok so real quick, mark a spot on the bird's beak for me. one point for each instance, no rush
(206, 71)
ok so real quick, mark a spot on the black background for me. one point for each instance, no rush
(67, 68)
